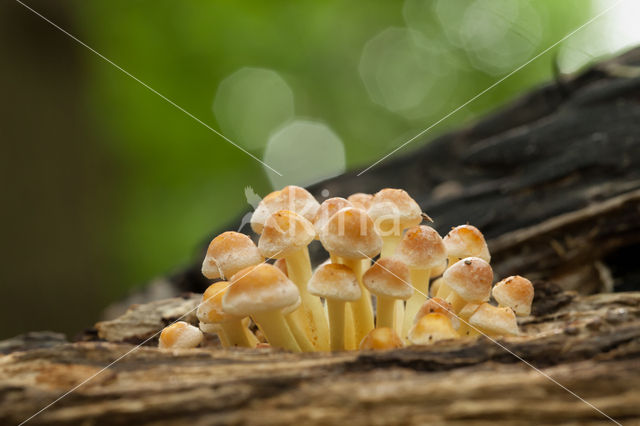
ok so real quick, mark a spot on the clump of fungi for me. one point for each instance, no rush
(379, 251)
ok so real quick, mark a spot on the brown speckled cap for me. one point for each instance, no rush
(293, 198)
(466, 241)
(495, 321)
(210, 309)
(228, 253)
(432, 328)
(421, 247)
(350, 234)
(388, 277)
(360, 200)
(516, 292)
(381, 339)
(393, 210)
(328, 208)
(335, 281)
(284, 233)
(471, 278)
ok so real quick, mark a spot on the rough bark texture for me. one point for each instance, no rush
(553, 181)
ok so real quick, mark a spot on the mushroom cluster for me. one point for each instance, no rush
(380, 255)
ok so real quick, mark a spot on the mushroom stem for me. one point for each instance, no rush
(311, 313)
(276, 330)
(389, 244)
(350, 342)
(236, 334)
(337, 309)
(385, 309)
(444, 289)
(398, 317)
(420, 282)
(299, 333)
(216, 329)
(361, 308)
(457, 302)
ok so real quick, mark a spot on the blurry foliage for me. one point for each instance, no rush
(179, 181)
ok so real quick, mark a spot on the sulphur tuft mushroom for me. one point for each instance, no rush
(432, 328)
(262, 292)
(292, 198)
(388, 280)
(337, 284)
(180, 335)
(439, 306)
(515, 292)
(380, 339)
(360, 200)
(328, 208)
(494, 321)
(228, 253)
(470, 282)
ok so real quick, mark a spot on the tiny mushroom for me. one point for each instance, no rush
(440, 306)
(393, 211)
(328, 208)
(432, 328)
(494, 321)
(515, 292)
(230, 328)
(388, 280)
(360, 200)
(180, 335)
(292, 198)
(380, 339)
(338, 285)
(421, 249)
(262, 292)
(228, 253)
(470, 282)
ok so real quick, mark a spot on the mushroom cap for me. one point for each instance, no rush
(284, 233)
(438, 270)
(516, 292)
(228, 253)
(293, 198)
(466, 241)
(282, 265)
(259, 288)
(380, 339)
(439, 306)
(350, 234)
(335, 281)
(210, 309)
(495, 321)
(328, 208)
(393, 210)
(468, 310)
(360, 200)
(432, 328)
(388, 277)
(421, 247)
(471, 278)
(180, 335)
(288, 309)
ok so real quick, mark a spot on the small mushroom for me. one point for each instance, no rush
(262, 292)
(393, 211)
(421, 249)
(515, 292)
(292, 198)
(432, 328)
(230, 328)
(337, 284)
(328, 208)
(287, 235)
(360, 200)
(380, 339)
(470, 282)
(180, 335)
(494, 321)
(439, 306)
(388, 280)
(228, 253)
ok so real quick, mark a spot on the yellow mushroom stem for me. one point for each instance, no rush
(276, 330)
(389, 244)
(457, 302)
(361, 308)
(350, 342)
(216, 329)
(385, 311)
(444, 289)
(299, 333)
(310, 315)
(337, 315)
(420, 282)
(237, 334)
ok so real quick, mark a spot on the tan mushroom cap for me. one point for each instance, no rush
(471, 278)
(382, 338)
(360, 200)
(282, 265)
(438, 270)
(328, 208)
(260, 288)
(284, 233)
(421, 247)
(293, 198)
(350, 234)
(335, 281)
(466, 241)
(515, 292)
(210, 309)
(432, 328)
(468, 309)
(495, 321)
(180, 335)
(436, 305)
(388, 277)
(228, 253)
(393, 210)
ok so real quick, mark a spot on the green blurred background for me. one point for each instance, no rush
(106, 185)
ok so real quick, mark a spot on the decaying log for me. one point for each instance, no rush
(588, 344)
